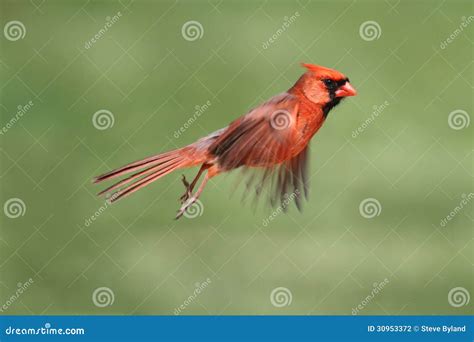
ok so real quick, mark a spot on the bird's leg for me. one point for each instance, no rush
(189, 187)
(190, 201)
(187, 192)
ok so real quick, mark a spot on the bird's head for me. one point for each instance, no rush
(324, 86)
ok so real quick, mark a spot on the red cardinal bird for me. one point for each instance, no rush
(273, 137)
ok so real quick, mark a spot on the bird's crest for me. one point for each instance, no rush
(323, 71)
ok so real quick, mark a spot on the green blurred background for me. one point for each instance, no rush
(144, 71)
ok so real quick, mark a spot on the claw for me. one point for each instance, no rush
(187, 203)
(185, 182)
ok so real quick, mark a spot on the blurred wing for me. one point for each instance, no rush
(283, 184)
(260, 138)
(264, 139)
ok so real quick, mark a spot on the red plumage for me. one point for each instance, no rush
(273, 137)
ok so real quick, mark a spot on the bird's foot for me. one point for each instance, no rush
(187, 194)
(187, 203)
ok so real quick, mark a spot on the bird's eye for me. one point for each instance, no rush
(329, 83)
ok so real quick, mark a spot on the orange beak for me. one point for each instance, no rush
(346, 90)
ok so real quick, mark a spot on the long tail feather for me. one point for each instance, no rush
(143, 182)
(137, 165)
(149, 170)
